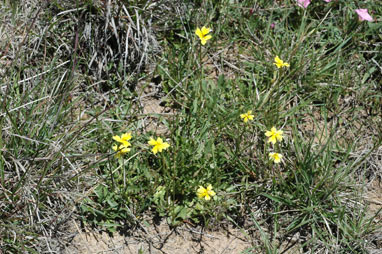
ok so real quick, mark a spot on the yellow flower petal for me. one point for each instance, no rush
(201, 192)
(247, 116)
(123, 138)
(275, 157)
(279, 135)
(272, 140)
(152, 142)
(207, 37)
(280, 63)
(158, 145)
(198, 33)
(117, 138)
(121, 149)
(203, 34)
(165, 146)
(127, 136)
(155, 149)
(205, 30)
(274, 135)
(124, 149)
(205, 193)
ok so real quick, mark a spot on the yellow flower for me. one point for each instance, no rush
(158, 144)
(121, 149)
(124, 146)
(247, 116)
(203, 34)
(276, 157)
(274, 135)
(280, 63)
(124, 138)
(205, 193)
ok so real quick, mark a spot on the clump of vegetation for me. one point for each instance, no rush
(267, 117)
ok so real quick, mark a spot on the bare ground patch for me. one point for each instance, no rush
(160, 239)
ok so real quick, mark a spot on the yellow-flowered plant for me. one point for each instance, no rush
(247, 116)
(124, 138)
(205, 193)
(158, 145)
(122, 148)
(203, 34)
(274, 135)
(280, 63)
(275, 157)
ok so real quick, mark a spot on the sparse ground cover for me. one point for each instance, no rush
(262, 117)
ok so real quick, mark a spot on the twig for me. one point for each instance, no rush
(200, 233)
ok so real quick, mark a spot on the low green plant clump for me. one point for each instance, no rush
(268, 117)
(235, 142)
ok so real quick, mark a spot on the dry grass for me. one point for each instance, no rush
(69, 71)
(47, 51)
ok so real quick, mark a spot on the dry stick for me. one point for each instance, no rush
(199, 233)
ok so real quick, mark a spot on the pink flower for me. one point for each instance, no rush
(328, 1)
(273, 25)
(363, 15)
(303, 3)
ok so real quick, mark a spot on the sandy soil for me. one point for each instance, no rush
(160, 239)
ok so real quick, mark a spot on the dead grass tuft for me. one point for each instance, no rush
(48, 51)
